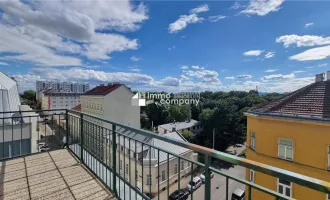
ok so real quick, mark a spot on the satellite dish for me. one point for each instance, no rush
(17, 118)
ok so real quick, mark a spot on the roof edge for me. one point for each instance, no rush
(290, 117)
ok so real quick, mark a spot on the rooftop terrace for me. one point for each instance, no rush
(49, 175)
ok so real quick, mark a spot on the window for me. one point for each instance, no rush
(163, 175)
(182, 165)
(253, 141)
(285, 149)
(188, 164)
(136, 175)
(284, 187)
(328, 159)
(121, 149)
(121, 164)
(148, 179)
(252, 175)
(126, 168)
(328, 197)
(175, 169)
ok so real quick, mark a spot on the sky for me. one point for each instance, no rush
(173, 46)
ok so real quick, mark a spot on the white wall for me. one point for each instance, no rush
(118, 108)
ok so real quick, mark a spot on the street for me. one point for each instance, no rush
(218, 185)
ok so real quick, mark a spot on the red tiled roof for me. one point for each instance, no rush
(310, 101)
(103, 89)
(77, 108)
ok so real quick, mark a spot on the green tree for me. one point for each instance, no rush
(187, 134)
(29, 95)
(180, 113)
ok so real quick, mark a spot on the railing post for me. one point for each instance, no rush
(207, 194)
(67, 128)
(81, 138)
(114, 160)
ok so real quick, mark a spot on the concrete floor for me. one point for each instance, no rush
(51, 175)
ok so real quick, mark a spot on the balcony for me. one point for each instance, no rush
(64, 154)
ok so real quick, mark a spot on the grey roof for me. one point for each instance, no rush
(180, 125)
(145, 154)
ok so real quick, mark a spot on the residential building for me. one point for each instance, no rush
(112, 102)
(18, 135)
(141, 161)
(9, 96)
(65, 86)
(54, 99)
(292, 133)
(192, 125)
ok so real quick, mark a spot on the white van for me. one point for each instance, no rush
(194, 184)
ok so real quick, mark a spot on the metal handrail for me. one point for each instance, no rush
(300, 179)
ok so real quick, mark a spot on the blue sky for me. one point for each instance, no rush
(166, 45)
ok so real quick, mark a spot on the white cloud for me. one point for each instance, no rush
(216, 18)
(183, 77)
(170, 48)
(184, 67)
(78, 74)
(309, 24)
(276, 77)
(206, 75)
(199, 9)
(270, 54)
(236, 6)
(262, 7)
(271, 70)
(298, 71)
(253, 53)
(23, 41)
(103, 44)
(171, 81)
(197, 67)
(303, 41)
(229, 77)
(318, 53)
(244, 76)
(183, 22)
(134, 69)
(2, 63)
(315, 66)
(43, 32)
(135, 58)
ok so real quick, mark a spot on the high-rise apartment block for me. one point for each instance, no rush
(63, 86)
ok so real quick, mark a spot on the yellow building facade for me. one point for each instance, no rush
(291, 140)
(310, 152)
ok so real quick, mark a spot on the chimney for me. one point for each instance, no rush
(320, 77)
(173, 129)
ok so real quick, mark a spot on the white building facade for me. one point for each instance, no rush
(112, 102)
(52, 100)
(19, 129)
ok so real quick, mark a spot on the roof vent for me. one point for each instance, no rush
(320, 77)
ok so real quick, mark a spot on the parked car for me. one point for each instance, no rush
(238, 194)
(203, 176)
(180, 194)
(194, 184)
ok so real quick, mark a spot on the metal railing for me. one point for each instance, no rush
(138, 164)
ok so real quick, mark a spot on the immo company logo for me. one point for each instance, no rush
(143, 99)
